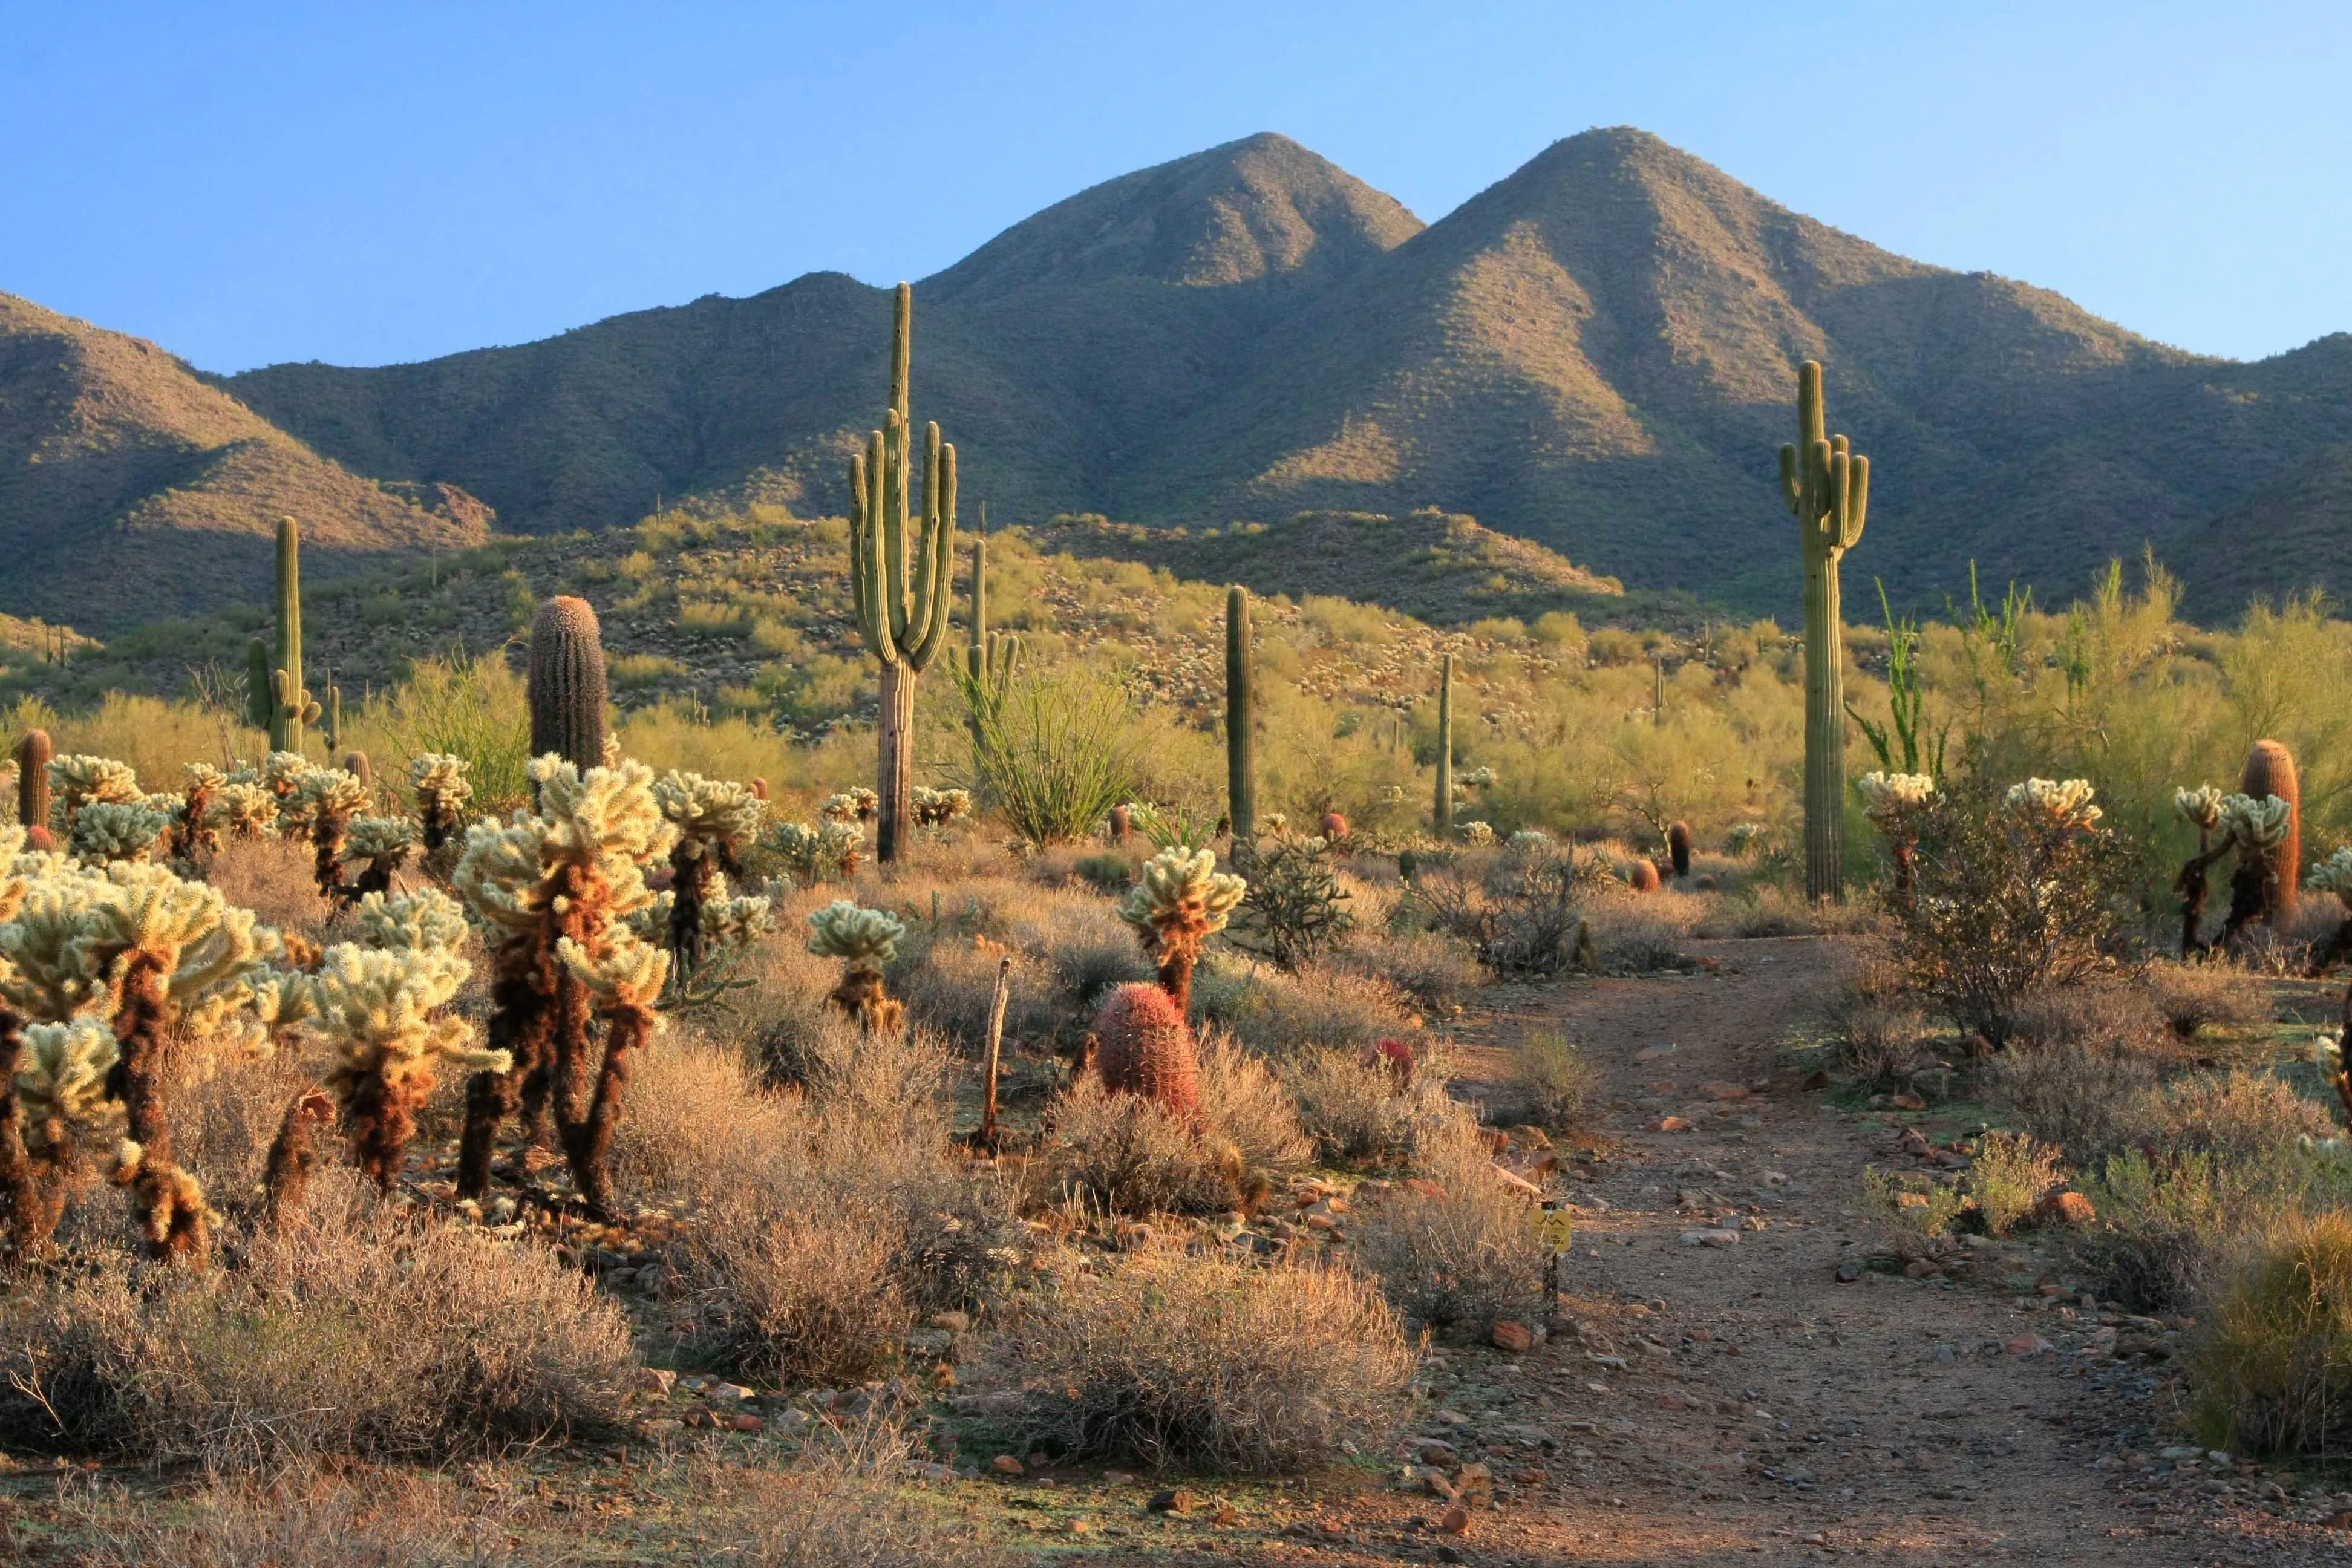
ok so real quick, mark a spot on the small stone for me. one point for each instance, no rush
(1455, 1521)
(744, 1421)
(1175, 1500)
(1710, 1238)
(734, 1392)
(1006, 1465)
(2070, 1210)
(1848, 1271)
(952, 1322)
(1671, 1124)
(1907, 1101)
(656, 1380)
(1513, 1337)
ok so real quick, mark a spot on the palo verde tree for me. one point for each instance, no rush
(901, 571)
(1826, 485)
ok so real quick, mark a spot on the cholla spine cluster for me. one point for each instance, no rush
(1178, 899)
(863, 940)
(2056, 804)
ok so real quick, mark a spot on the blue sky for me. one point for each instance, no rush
(252, 183)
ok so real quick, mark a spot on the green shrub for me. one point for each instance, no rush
(1292, 911)
(1552, 1077)
(2009, 1175)
(2273, 1367)
(1051, 752)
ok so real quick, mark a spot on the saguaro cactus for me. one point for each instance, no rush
(276, 698)
(1241, 719)
(991, 657)
(1441, 817)
(566, 683)
(1826, 485)
(34, 753)
(900, 576)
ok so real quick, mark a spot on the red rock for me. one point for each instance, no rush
(2026, 1344)
(1724, 1090)
(1907, 1101)
(1510, 1336)
(2069, 1209)
(744, 1421)
(1817, 1080)
(1670, 1124)
(1006, 1465)
(1455, 1520)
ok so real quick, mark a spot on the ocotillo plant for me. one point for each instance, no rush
(1826, 485)
(276, 698)
(1441, 817)
(2269, 771)
(566, 683)
(1241, 721)
(901, 576)
(34, 754)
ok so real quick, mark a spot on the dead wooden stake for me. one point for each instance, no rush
(986, 1138)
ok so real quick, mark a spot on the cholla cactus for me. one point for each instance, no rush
(857, 805)
(2065, 805)
(1529, 841)
(865, 940)
(573, 871)
(2334, 874)
(377, 845)
(2256, 825)
(377, 1011)
(107, 830)
(192, 832)
(1894, 802)
(2254, 830)
(278, 774)
(1178, 899)
(244, 809)
(57, 1097)
(1478, 833)
(424, 919)
(2200, 807)
(822, 852)
(937, 807)
(442, 793)
(77, 781)
(717, 820)
(626, 979)
(319, 806)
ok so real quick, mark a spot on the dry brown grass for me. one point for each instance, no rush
(1129, 1155)
(1551, 1078)
(2238, 1116)
(1320, 1007)
(1210, 1362)
(1355, 1109)
(1462, 1256)
(1435, 970)
(2194, 996)
(363, 1332)
(2083, 1096)
(273, 877)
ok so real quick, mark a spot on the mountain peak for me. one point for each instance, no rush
(1257, 207)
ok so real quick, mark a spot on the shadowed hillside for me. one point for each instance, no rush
(130, 488)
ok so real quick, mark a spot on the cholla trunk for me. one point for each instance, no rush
(860, 996)
(589, 1143)
(170, 1209)
(375, 877)
(382, 1119)
(190, 838)
(521, 1024)
(327, 847)
(294, 1154)
(18, 1181)
(1178, 956)
(2253, 891)
(692, 871)
(1901, 850)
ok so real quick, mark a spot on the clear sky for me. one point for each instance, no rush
(248, 182)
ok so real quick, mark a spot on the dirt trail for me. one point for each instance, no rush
(1737, 1403)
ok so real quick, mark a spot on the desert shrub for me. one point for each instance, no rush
(1244, 1104)
(1088, 947)
(1052, 751)
(1878, 1042)
(1462, 1250)
(1912, 1214)
(467, 708)
(1319, 1007)
(2166, 1220)
(1294, 908)
(1210, 1362)
(2238, 1116)
(2108, 1018)
(1434, 969)
(2084, 1097)
(1553, 1078)
(361, 1333)
(948, 983)
(394, 1520)
(1521, 914)
(273, 877)
(1131, 1155)
(2013, 892)
(2193, 997)
(1640, 934)
(2272, 1369)
(1353, 1105)
(2010, 1173)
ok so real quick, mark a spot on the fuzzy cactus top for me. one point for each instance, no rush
(107, 830)
(1888, 795)
(60, 1081)
(603, 826)
(1180, 897)
(75, 780)
(376, 1010)
(2199, 807)
(2334, 874)
(864, 938)
(439, 780)
(710, 812)
(2256, 825)
(2065, 803)
(378, 838)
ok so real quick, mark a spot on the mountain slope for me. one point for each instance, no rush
(121, 469)
(1597, 353)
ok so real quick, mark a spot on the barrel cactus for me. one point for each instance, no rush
(566, 683)
(865, 940)
(1678, 847)
(1143, 1046)
(2270, 774)
(1180, 897)
(34, 754)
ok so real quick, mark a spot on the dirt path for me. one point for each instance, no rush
(1739, 1402)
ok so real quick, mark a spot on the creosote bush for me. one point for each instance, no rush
(1553, 1078)
(1211, 1364)
(1456, 1248)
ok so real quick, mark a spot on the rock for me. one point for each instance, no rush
(1848, 1271)
(1671, 1124)
(1434, 1482)
(2068, 1210)
(1455, 1520)
(2027, 1344)
(656, 1380)
(1117, 1478)
(1710, 1238)
(1434, 1450)
(1527, 1478)
(744, 1421)
(1907, 1101)
(1006, 1465)
(1516, 1338)
(793, 1423)
(1518, 1187)
(1815, 1081)
(1723, 1092)
(1175, 1500)
(952, 1322)
(1653, 1053)
(734, 1393)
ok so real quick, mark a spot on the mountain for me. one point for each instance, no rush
(130, 488)
(1596, 354)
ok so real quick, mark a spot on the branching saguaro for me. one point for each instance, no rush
(901, 575)
(557, 889)
(1826, 486)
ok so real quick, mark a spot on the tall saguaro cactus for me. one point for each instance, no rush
(1826, 485)
(1442, 817)
(276, 698)
(901, 576)
(1241, 721)
(990, 657)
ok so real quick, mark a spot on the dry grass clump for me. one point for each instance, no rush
(1552, 1078)
(1435, 970)
(2011, 1173)
(1877, 1029)
(1368, 1105)
(388, 1519)
(1210, 1363)
(949, 983)
(1131, 1155)
(828, 1225)
(1244, 1103)
(2238, 1116)
(275, 878)
(2193, 997)
(1319, 1007)
(2085, 1096)
(2273, 1367)
(361, 1333)
(1460, 1251)
(1635, 933)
